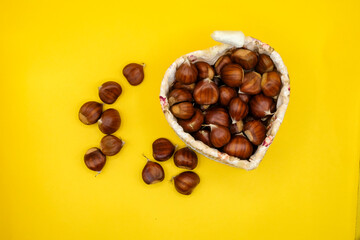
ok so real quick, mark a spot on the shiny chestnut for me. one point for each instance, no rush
(251, 84)
(194, 123)
(219, 135)
(183, 110)
(238, 109)
(226, 94)
(265, 64)
(261, 106)
(134, 73)
(246, 58)
(94, 159)
(90, 112)
(163, 149)
(152, 173)
(271, 84)
(217, 116)
(221, 62)
(186, 182)
(239, 147)
(111, 145)
(204, 136)
(109, 92)
(179, 95)
(204, 70)
(206, 92)
(232, 75)
(187, 73)
(255, 131)
(185, 158)
(109, 121)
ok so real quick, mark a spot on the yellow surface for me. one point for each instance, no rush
(54, 55)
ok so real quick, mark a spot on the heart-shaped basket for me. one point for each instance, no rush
(231, 40)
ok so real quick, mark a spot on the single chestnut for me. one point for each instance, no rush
(265, 64)
(152, 173)
(244, 97)
(236, 127)
(255, 131)
(219, 135)
(251, 83)
(232, 75)
(204, 136)
(226, 94)
(189, 87)
(163, 149)
(90, 112)
(134, 73)
(186, 182)
(221, 62)
(217, 116)
(261, 106)
(206, 92)
(204, 70)
(194, 123)
(239, 147)
(111, 145)
(183, 110)
(238, 109)
(94, 159)
(179, 95)
(185, 158)
(246, 58)
(109, 121)
(187, 73)
(271, 84)
(109, 92)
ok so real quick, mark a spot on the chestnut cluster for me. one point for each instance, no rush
(186, 158)
(228, 105)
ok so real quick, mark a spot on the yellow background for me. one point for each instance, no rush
(54, 55)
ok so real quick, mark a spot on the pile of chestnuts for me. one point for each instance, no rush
(185, 158)
(228, 105)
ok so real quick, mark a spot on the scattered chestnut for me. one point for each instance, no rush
(255, 131)
(239, 147)
(111, 145)
(134, 73)
(90, 112)
(246, 58)
(232, 75)
(271, 84)
(109, 92)
(185, 158)
(204, 136)
(244, 97)
(221, 62)
(206, 92)
(109, 121)
(187, 73)
(152, 173)
(226, 94)
(265, 64)
(185, 182)
(238, 109)
(236, 127)
(94, 159)
(179, 95)
(204, 70)
(189, 87)
(251, 83)
(219, 135)
(183, 110)
(163, 149)
(194, 123)
(261, 106)
(217, 116)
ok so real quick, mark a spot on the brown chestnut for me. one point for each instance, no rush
(109, 121)
(189, 87)
(271, 84)
(194, 123)
(246, 58)
(239, 147)
(244, 97)
(187, 73)
(90, 112)
(232, 75)
(152, 173)
(255, 131)
(265, 64)
(236, 127)
(134, 73)
(206, 92)
(109, 92)
(226, 94)
(251, 83)
(111, 145)
(261, 106)
(238, 109)
(94, 159)
(221, 62)
(185, 182)
(219, 135)
(204, 136)
(204, 70)
(185, 158)
(183, 110)
(179, 95)
(217, 116)
(163, 149)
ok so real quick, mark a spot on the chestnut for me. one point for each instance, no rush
(152, 173)
(94, 159)
(239, 147)
(204, 136)
(246, 58)
(219, 135)
(179, 95)
(187, 73)
(204, 70)
(194, 123)
(265, 64)
(244, 97)
(217, 116)
(236, 127)
(111, 145)
(163, 149)
(271, 84)
(109, 92)
(251, 83)
(185, 182)
(183, 110)
(134, 73)
(232, 75)
(255, 131)
(261, 106)
(238, 109)
(226, 94)
(189, 87)
(185, 158)
(221, 62)
(109, 121)
(90, 112)
(206, 92)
